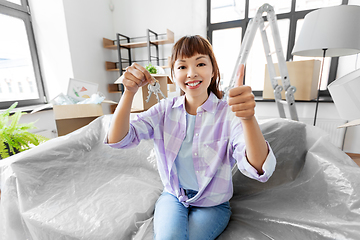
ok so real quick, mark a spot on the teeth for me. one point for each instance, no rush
(193, 84)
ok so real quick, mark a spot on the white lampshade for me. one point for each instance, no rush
(345, 94)
(336, 29)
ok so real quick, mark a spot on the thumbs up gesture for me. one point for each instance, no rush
(241, 99)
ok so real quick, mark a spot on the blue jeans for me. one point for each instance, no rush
(172, 220)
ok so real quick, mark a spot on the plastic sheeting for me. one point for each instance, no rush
(75, 187)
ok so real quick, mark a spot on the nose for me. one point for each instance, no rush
(192, 73)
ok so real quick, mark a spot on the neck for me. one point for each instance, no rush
(192, 104)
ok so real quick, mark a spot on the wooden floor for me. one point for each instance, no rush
(355, 157)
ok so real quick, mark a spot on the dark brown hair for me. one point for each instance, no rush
(187, 47)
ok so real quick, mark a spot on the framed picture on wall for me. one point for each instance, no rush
(80, 90)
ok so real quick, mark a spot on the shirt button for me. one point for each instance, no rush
(195, 154)
(196, 134)
(200, 115)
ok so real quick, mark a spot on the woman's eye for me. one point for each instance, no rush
(201, 64)
(181, 67)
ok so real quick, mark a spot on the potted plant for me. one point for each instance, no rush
(15, 137)
(152, 69)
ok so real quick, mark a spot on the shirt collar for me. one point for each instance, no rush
(180, 101)
(209, 105)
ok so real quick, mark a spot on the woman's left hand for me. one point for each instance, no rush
(241, 99)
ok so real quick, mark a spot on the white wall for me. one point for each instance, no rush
(69, 38)
(185, 17)
(133, 18)
(52, 44)
(87, 22)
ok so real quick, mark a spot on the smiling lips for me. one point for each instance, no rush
(193, 84)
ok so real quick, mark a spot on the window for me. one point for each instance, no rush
(255, 66)
(282, 6)
(306, 5)
(20, 78)
(226, 53)
(290, 14)
(227, 10)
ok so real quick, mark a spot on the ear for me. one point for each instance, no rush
(173, 80)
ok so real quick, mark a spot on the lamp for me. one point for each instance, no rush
(345, 94)
(329, 32)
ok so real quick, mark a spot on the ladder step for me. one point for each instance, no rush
(272, 53)
(283, 102)
(278, 78)
(266, 26)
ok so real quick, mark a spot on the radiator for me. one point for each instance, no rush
(46, 133)
(336, 135)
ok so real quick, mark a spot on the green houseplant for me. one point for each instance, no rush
(152, 69)
(15, 137)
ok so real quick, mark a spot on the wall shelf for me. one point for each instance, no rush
(113, 88)
(149, 43)
(113, 66)
(111, 44)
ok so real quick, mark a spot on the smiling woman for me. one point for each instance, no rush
(194, 75)
(187, 48)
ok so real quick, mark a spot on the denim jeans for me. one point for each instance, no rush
(172, 220)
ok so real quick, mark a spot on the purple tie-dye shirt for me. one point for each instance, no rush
(218, 143)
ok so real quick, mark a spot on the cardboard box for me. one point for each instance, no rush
(69, 118)
(304, 75)
(139, 102)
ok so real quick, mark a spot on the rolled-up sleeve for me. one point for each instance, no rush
(268, 167)
(126, 142)
(140, 128)
(239, 154)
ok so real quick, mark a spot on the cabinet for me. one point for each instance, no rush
(122, 42)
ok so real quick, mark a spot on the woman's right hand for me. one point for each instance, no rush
(135, 77)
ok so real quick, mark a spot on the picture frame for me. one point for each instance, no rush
(80, 90)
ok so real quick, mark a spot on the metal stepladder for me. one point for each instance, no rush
(258, 22)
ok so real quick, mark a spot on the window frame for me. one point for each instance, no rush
(293, 16)
(23, 12)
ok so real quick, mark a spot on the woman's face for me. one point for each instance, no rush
(193, 75)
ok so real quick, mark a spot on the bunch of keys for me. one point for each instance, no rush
(156, 90)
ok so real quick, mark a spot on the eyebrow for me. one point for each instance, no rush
(180, 60)
(200, 57)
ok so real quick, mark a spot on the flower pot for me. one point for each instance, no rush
(8, 150)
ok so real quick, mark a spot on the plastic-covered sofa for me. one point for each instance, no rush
(75, 187)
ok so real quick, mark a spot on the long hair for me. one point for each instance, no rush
(187, 47)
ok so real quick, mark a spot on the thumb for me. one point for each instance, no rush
(240, 76)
